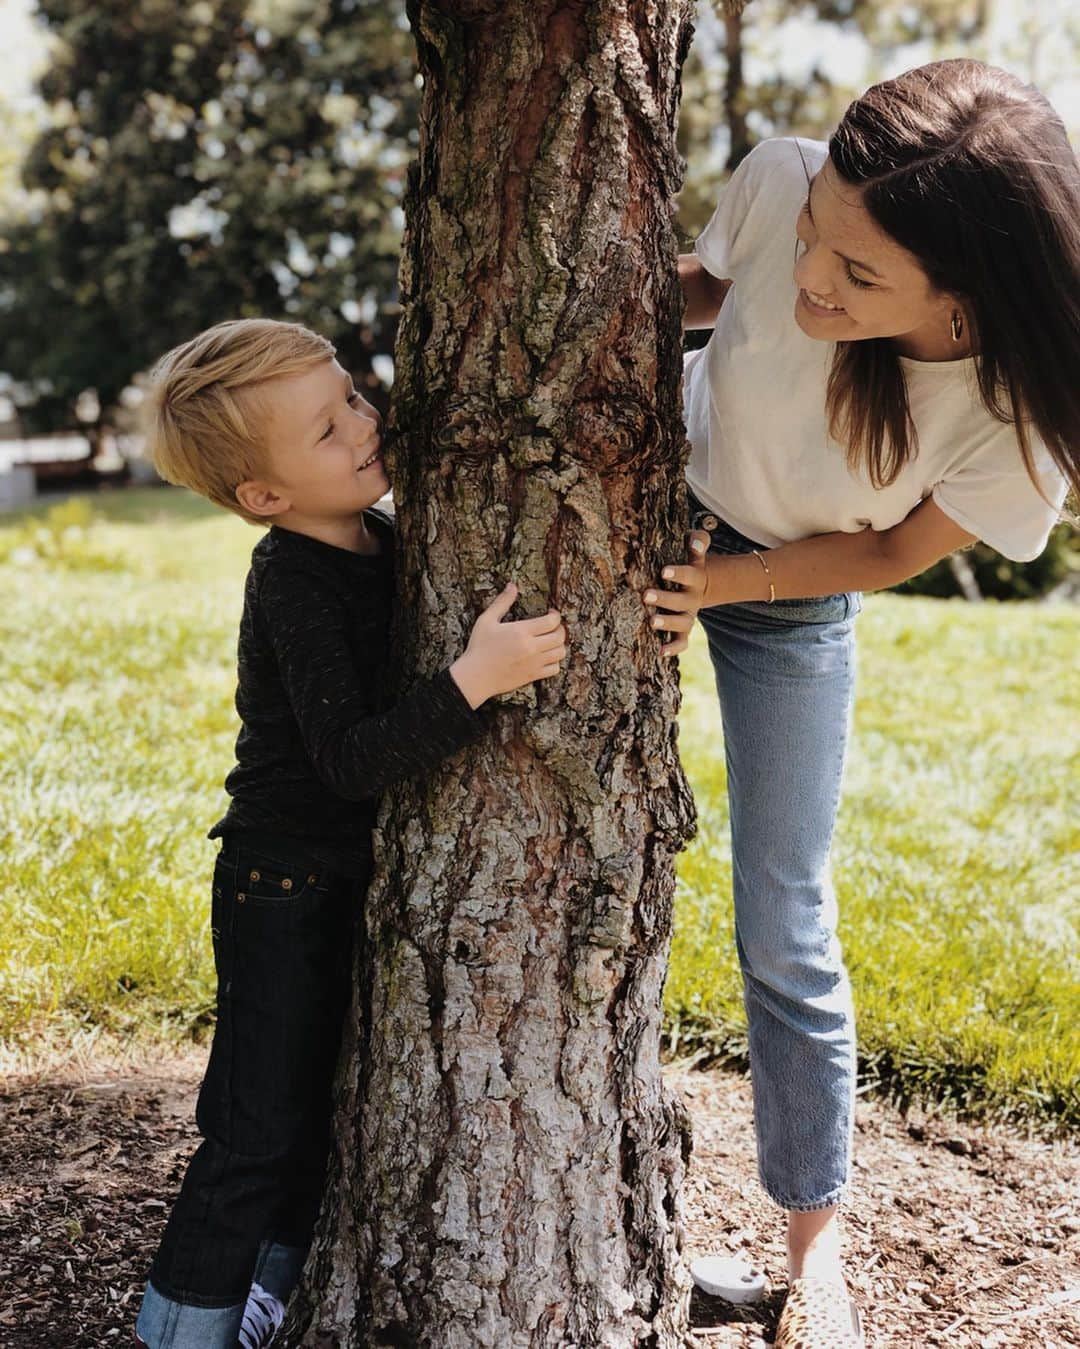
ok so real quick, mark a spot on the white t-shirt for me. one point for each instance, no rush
(761, 454)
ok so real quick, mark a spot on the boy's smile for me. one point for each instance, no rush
(324, 460)
(374, 459)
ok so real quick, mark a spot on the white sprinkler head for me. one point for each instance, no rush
(724, 1276)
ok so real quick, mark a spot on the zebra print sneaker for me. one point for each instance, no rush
(263, 1314)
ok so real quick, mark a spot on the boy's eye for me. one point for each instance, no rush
(352, 399)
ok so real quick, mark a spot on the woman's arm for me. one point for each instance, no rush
(704, 293)
(823, 565)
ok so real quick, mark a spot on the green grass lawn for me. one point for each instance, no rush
(957, 856)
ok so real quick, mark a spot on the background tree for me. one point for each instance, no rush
(738, 90)
(995, 577)
(507, 1161)
(205, 161)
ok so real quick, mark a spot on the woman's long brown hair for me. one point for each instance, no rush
(971, 171)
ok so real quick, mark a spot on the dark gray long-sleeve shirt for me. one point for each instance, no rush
(320, 738)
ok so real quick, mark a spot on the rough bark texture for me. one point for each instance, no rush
(507, 1162)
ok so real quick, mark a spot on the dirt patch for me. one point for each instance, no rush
(957, 1235)
(88, 1165)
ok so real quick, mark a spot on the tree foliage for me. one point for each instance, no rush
(206, 161)
(737, 90)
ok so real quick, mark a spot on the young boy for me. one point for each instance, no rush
(259, 417)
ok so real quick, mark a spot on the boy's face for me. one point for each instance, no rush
(323, 449)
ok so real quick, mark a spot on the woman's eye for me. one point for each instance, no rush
(328, 432)
(857, 281)
(353, 398)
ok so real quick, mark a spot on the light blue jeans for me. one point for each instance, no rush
(785, 677)
(166, 1324)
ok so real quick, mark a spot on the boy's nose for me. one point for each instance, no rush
(367, 440)
(367, 425)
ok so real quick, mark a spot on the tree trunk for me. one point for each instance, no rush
(964, 576)
(507, 1162)
(735, 90)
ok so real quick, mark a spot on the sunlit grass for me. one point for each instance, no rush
(956, 857)
(115, 726)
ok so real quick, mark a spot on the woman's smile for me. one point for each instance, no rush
(817, 304)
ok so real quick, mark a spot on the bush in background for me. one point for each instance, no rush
(1000, 579)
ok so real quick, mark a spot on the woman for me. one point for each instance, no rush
(910, 387)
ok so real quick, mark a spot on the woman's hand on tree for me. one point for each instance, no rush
(502, 656)
(674, 609)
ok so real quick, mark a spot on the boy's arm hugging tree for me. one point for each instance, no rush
(357, 747)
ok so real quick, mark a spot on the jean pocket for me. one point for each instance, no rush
(263, 880)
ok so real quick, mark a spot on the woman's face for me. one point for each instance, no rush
(856, 282)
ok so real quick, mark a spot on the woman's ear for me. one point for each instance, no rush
(259, 498)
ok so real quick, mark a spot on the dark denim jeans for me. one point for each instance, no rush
(283, 928)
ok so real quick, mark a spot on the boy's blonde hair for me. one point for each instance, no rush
(201, 413)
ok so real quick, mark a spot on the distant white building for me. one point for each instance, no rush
(47, 454)
(25, 459)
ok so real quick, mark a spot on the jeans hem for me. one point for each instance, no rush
(804, 1206)
(181, 1298)
(164, 1323)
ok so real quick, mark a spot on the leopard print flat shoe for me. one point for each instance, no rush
(818, 1314)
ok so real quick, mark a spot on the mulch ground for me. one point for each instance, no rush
(957, 1235)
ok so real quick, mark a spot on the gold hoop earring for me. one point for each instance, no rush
(956, 325)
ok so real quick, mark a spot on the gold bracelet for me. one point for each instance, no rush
(768, 573)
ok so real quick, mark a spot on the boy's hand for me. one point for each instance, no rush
(502, 656)
(678, 607)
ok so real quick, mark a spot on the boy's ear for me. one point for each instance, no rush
(258, 498)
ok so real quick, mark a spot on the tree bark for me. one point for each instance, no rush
(735, 90)
(507, 1162)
